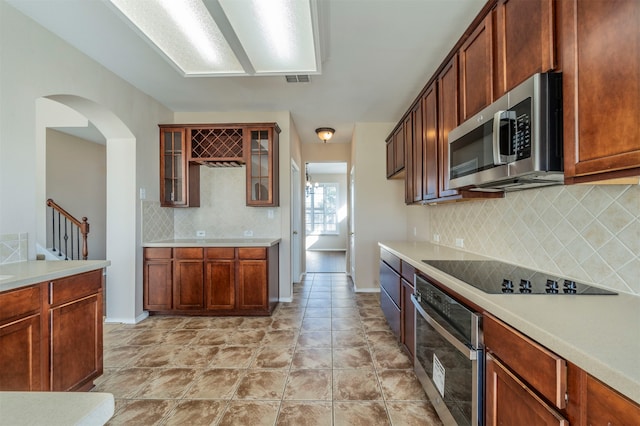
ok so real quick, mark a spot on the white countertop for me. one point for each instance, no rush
(600, 334)
(55, 408)
(215, 242)
(22, 274)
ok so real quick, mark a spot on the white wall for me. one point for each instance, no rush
(338, 241)
(36, 64)
(380, 213)
(77, 181)
(231, 208)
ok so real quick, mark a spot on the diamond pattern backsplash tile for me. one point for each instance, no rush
(223, 212)
(157, 222)
(587, 232)
(14, 247)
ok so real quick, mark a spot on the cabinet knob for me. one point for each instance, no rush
(295, 232)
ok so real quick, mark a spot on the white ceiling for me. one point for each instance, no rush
(376, 56)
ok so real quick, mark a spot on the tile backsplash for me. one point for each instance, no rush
(157, 222)
(222, 213)
(588, 232)
(14, 247)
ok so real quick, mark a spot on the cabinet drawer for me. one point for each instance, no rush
(252, 253)
(391, 312)
(407, 272)
(390, 281)
(221, 253)
(542, 369)
(75, 287)
(158, 253)
(188, 253)
(19, 303)
(391, 260)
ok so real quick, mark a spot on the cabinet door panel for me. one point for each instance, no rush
(391, 312)
(601, 85)
(220, 284)
(20, 355)
(447, 120)
(158, 282)
(417, 156)
(510, 402)
(188, 284)
(408, 318)
(252, 285)
(476, 69)
(76, 343)
(526, 40)
(607, 407)
(430, 162)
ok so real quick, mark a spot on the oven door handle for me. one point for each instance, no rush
(471, 354)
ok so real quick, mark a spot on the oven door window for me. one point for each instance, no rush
(458, 370)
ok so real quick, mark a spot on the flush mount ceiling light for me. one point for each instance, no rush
(325, 133)
(229, 37)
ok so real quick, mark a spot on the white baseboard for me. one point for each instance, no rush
(367, 290)
(137, 319)
(286, 299)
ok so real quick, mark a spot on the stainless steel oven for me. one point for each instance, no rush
(449, 355)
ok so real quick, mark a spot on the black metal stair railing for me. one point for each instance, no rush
(68, 234)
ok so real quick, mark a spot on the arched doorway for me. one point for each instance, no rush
(68, 111)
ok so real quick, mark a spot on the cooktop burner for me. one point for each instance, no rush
(494, 277)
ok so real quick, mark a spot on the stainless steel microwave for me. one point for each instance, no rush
(514, 143)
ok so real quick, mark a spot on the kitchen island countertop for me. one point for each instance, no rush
(22, 274)
(214, 242)
(599, 334)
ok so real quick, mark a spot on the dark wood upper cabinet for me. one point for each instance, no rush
(263, 166)
(179, 178)
(395, 152)
(417, 149)
(476, 69)
(409, 164)
(448, 119)
(525, 41)
(430, 154)
(601, 89)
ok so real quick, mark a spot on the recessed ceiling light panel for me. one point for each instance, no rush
(277, 35)
(185, 32)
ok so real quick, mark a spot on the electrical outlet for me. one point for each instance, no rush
(143, 193)
(436, 238)
(459, 242)
(270, 213)
(201, 234)
(248, 233)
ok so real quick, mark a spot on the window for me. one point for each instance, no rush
(321, 209)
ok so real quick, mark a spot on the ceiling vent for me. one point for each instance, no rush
(302, 78)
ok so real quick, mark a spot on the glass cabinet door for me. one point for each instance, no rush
(261, 163)
(178, 179)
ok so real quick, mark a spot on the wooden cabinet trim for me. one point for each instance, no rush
(19, 303)
(542, 369)
(158, 253)
(188, 253)
(73, 287)
(511, 401)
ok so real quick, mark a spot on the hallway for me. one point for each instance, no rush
(327, 358)
(326, 261)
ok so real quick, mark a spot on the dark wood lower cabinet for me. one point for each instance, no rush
(51, 334)
(76, 344)
(212, 280)
(20, 355)
(408, 319)
(509, 401)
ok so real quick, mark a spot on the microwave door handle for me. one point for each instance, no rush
(498, 158)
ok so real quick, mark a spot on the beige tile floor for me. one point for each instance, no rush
(326, 358)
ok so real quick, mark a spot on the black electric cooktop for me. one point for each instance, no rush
(495, 277)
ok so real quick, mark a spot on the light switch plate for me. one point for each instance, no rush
(201, 234)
